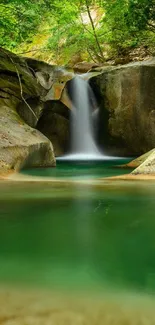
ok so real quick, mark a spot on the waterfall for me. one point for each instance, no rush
(83, 144)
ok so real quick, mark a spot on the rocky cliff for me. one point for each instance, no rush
(35, 110)
(29, 94)
(127, 107)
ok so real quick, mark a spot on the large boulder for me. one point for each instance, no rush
(26, 88)
(21, 145)
(127, 107)
(84, 67)
(138, 161)
(17, 78)
(147, 166)
(52, 78)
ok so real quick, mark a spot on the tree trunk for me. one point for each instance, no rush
(94, 31)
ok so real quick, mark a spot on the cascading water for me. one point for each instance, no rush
(83, 143)
(83, 146)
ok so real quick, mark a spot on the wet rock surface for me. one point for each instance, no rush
(27, 87)
(127, 107)
(54, 123)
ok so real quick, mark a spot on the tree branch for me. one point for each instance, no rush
(84, 26)
(152, 27)
(20, 84)
(91, 56)
(94, 30)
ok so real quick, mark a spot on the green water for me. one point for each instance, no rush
(77, 170)
(78, 236)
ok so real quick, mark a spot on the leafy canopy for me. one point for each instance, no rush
(92, 29)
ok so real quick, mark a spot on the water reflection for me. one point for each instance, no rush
(84, 232)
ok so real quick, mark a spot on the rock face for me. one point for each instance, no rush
(34, 98)
(52, 107)
(127, 107)
(26, 88)
(148, 165)
(138, 161)
(84, 67)
(19, 143)
(54, 123)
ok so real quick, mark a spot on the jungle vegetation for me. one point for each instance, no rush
(65, 30)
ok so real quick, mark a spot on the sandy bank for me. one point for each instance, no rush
(34, 307)
(132, 177)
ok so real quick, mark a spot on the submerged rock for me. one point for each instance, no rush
(127, 107)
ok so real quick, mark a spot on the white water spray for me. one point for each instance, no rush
(83, 143)
(83, 146)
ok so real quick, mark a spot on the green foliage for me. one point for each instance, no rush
(72, 28)
(129, 21)
(72, 32)
(142, 14)
(19, 20)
